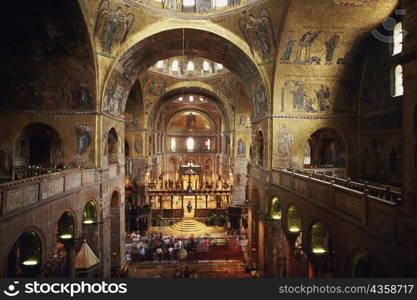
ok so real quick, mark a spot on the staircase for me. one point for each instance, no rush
(189, 225)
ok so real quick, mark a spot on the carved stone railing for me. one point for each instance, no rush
(378, 192)
(372, 206)
(19, 194)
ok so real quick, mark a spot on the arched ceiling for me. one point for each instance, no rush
(191, 122)
(191, 42)
(199, 9)
(169, 105)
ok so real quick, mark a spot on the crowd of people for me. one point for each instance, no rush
(159, 248)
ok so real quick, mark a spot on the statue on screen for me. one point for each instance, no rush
(189, 207)
(191, 120)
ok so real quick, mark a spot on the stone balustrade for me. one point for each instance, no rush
(373, 207)
(20, 194)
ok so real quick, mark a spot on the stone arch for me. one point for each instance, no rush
(362, 263)
(113, 146)
(130, 64)
(115, 229)
(25, 262)
(90, 225)
(38, 145)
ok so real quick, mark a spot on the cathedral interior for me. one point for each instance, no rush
(208, 138)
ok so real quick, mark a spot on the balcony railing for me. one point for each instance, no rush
(377, 192)
(374, 207)
(19, 194)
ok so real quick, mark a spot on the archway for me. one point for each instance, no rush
(115, 233)
(64, 262)
(259, 142)
(38, 145)
(325, 148)
(366, 265)
(25, 257)
(275, 209)
(112, 142)
(147, 52)
(90, 226)
(127, 149)
(321, 252)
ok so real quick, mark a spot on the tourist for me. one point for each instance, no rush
(159, 254)
(171, 254)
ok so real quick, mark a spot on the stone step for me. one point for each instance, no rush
(189, 225)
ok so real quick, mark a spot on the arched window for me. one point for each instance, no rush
(160, 64)
(188, 3)
(293, 220)
(191, 98)
(175, 66)
(190, 144)
(275, 209)
(173, 144)
(221, 3)
(398, 39)
(206, 66)
(112, 142)
(208, 144)
(398, 88)
(319, 238)
(219, 67)
(190, 66)
(25, 258)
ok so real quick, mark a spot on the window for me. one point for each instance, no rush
(191, 98)
(208, 144)
(175, 66)
(399, 88)
(188, 2)
(398, 39)
(190, 144)
(160, 64)
(206, 66)
(190, 66)
(219, 67)
(173, 144)
(221, 3)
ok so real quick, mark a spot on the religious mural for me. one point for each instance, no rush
(285, 144)
(204, 6)
(225, 86)
(156, 88)
(173, 4)
(52, 88)
(84, 137)
(241, 147)
(112, 25)
(311, 48)
(258, 32)
(315, 96)
(138, 144)
(259, 99)
(382, 158)
(116, 96)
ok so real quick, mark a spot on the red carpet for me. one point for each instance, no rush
(218, 252)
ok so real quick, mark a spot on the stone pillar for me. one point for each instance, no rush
(275, 261)
(261, 245)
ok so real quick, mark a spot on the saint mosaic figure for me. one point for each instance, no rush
(112, 26)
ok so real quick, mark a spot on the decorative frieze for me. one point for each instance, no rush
(21, 197)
